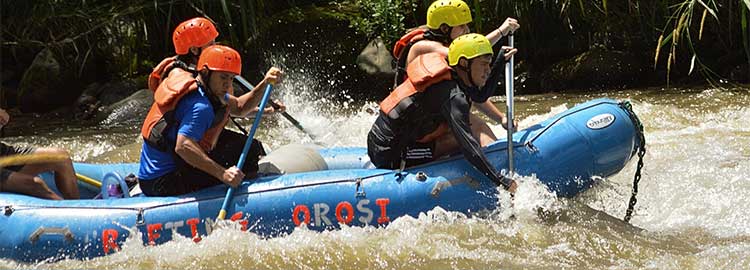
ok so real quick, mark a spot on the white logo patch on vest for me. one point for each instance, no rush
(600, 121)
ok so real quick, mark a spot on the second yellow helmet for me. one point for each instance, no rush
(450, 12)
(468, 46)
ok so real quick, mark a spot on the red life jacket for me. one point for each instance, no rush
(161, 115)
(425, 71)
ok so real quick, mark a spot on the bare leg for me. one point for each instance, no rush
(29, 185)
(65, 177)
(481, 131)
(446, 145)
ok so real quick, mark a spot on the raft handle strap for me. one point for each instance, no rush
(360, 189)
(64, 232)
(139, 220)
(8, 210)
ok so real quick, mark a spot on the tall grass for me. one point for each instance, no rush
(130, 36)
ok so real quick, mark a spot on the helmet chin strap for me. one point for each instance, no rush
(195, 56)
(211, 96)
(468, 72)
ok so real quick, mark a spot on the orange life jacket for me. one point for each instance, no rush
(162, 70)
(161, 114)
(425, 71)
(401, 52)
(408, 39)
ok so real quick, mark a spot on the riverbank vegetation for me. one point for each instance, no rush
(563, 42)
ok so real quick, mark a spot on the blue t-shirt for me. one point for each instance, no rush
(194, 115)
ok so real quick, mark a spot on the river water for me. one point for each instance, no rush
(692, 210)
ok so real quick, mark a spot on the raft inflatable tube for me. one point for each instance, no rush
(565, 152)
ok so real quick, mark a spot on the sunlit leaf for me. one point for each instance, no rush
(692, 64)
(711, 10)
(703, 21)
(580, 4)
(658, 49)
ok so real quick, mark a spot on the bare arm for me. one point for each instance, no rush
(247, 103)
(494, 36)
(425, 46)
(491, 111)
(510, 25)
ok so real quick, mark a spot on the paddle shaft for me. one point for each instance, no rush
(246, 149)
(509, 94)
(88, 180)
(288, 117)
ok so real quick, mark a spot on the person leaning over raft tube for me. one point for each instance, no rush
(446, 20)
(428, 116)
(23, 179)
(189, 39)
(180, 153)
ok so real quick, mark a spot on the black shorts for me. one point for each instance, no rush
(7, 150)
(186, 178)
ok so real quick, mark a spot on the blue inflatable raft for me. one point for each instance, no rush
(596, 138)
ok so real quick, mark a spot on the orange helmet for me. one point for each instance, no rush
(220, 58)
(195, 32)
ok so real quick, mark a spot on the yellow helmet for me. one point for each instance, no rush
(468, 46)
(450, 12)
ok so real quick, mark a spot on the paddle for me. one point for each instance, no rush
(286, 115)
(509, 95)
(245, 150)
(88, 180)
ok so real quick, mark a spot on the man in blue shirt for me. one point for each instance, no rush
(184, 128)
